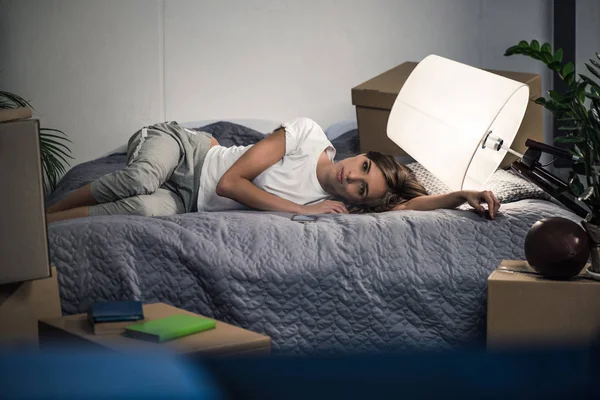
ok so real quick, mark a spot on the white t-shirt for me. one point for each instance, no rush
(293, 178)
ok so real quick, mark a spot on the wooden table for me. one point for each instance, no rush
(225, 339)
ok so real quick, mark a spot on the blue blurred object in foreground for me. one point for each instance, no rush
(464, 374)
(79, 373)
(467, 374)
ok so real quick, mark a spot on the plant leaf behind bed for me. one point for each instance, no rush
(54, 148)
(55, 156)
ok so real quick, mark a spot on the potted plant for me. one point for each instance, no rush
(54, 146)
(577, 112)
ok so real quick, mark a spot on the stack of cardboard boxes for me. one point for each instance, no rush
(28, 286)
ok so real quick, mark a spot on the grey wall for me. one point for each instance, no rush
(588, 34)
(99, 70)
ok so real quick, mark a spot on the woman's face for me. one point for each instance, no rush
(358, 180)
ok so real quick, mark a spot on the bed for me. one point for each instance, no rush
(361, 283)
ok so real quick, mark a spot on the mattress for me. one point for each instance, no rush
(347, 283)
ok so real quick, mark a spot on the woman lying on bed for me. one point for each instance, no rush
(174, 170)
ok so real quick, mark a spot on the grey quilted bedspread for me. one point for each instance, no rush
(375, 282)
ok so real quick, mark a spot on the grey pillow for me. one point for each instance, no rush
(507, 186)
(346, 145)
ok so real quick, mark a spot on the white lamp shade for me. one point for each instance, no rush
(445, 110)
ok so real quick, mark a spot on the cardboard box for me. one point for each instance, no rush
(24, 244)
(525, 309)
(374, 100)
(22, 304)
(225, 339)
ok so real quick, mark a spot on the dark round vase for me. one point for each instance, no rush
(557, 248)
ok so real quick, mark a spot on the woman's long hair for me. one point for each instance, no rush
(401, 181)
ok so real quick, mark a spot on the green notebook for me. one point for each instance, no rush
(168, 328)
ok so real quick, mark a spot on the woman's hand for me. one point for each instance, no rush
(475, 199)
(325, 207)
(453, 200)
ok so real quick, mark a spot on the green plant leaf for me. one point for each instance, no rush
(46, 130)
(569, 128)
(53, 130)
(546, 58)
(54, 164)
(56, 152)
(594, 114)
(513, 50)
(575, 184)
(535, 45)
(50, 135)
(555, 66)
(540, 100)
(61, 158)
(592, 70)
(567, 119)
(52, 171)
(571, 122)
(569, 68)
(578, 151)
(569, 139)
(554, 95)
(524, 44)
(591, 96)
(568, 96)
(558, 56)
(581, 86)
(14, 100)
(547, 48)
(61, 146)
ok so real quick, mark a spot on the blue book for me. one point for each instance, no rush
(114, 311)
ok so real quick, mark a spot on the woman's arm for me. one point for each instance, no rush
(453, 200)
(237, 185)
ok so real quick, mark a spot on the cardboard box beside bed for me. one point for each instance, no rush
(374, 99)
